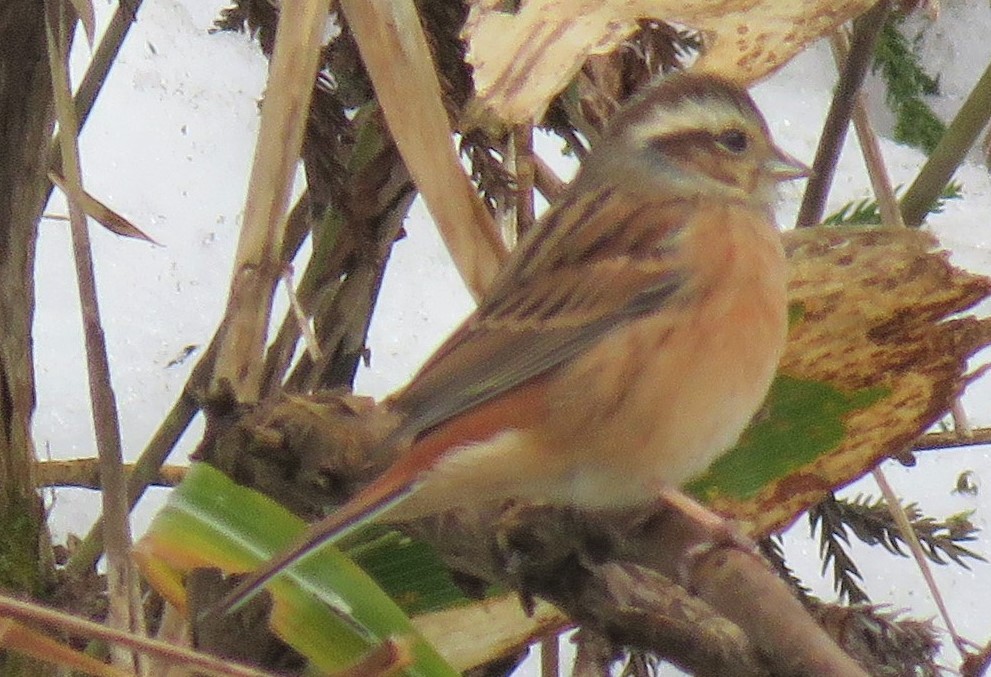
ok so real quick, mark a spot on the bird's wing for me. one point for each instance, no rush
(564, 291)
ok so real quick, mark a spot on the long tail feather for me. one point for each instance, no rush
(368, 504)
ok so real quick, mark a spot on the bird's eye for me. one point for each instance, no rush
(733, 140)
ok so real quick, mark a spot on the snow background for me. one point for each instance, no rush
(170, 145)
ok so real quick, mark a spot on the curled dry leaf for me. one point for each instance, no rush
(872, 362)
(522, 60)
(101, 213)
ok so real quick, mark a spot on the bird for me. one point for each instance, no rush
(627, 341)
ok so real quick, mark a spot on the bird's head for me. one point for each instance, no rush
(690, 135)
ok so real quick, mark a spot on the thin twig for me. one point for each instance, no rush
(145, 469)
(84, 473)
(887, 201)
(961, 422)
(282, 348)
(908, 533)
(891, 217)
(953, 439)
(957, 140)
(35, 614)
(866, 31)
(525, 171)
(122, 581)
(546, 180)
(550, 656)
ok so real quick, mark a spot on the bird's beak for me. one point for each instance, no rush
(784, 167)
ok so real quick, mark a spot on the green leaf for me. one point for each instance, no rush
(803, 420)
(409, 571)
(326, 607)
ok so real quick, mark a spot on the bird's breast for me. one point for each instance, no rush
(658, 399)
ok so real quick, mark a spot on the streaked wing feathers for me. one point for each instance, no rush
(550, 304)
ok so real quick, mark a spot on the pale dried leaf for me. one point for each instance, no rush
(522, 60)
(469, 636)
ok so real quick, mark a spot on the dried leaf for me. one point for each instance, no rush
(478, 633)
(100, 212)
(522, 60)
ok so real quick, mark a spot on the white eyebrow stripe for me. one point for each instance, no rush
(689, 115)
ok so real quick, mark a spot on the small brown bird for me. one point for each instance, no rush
(626, 344)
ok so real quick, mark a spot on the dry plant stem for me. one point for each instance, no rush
(908, 533)
(546, 180)
(961, 422)
(866, 31)
(283, 346)
(944, 160)
(18, 638)
(354, 303)
(891, 217)
(257, 265)
(174, 630)
(35, 614)
(953, 440)
(873, 159)
(550, 656)
(732, 579)
(395, 52)
(84, 473)
(883, 190)
(339, 286)
(525, 170)
(122, 582)
(145, 470)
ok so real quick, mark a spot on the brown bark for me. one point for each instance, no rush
(26, 121)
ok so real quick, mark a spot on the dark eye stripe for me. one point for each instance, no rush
(733, 140)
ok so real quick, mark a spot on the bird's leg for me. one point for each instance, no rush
(717, 532)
